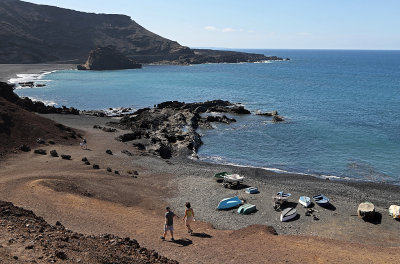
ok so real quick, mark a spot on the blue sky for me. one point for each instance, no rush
(287, 24)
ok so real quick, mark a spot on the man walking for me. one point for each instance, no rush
(169, 223)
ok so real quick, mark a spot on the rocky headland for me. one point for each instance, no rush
(31, 33)
(170, 128)
(108, 58)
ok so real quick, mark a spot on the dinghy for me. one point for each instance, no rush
(282, 196)
(321, 199)
(288, 214)
(246, 209)
(305, 201)
(279, 199)
(251, 190)
(394, 211)
(228, 203)
(220, 176)
(366, 211)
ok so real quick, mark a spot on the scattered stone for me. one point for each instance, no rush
(31, 245)
(58, 223)
(51, 142)
(109, 169)
(277, 119)
(127, 152)
(139, 146)
(61, 255)
(87, 162)
(66, 157)
(40, 141)
(24, 148)
(109, 129)
(96, 167)
(15, 257)
(53, 153)
(84, 159)
(135, 173)
(116, 172)
(108, 151)
(40, 151)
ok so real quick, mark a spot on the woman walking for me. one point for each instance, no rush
(189, 217)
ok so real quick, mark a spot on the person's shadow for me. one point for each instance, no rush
(201, 235)
(182, 242)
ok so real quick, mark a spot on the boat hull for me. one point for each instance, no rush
(247, 209)
(305, 201)
(229, 203)
(288, 214)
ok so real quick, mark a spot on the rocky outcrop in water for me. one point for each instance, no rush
(108, 58)
(169, 128)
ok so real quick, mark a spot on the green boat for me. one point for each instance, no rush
(247, 209)
(220, 176)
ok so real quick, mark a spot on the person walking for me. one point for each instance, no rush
(84, 144)
(169, 224)
(189, 217)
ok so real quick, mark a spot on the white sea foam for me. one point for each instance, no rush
(46, 102)
(34, 77)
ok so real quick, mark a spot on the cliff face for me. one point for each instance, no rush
(31, 33)
(108, 58)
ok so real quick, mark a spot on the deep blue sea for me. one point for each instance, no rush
(342, 108)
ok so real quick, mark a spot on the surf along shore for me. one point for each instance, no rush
(96, 201)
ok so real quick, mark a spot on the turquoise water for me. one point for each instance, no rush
(342, 108)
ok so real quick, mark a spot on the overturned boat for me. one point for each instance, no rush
(251, 190)
(247, 209)
(321, 199)
(288, 214)
(394, 211)
(229, 203)
(366, 211)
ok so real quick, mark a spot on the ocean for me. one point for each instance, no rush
(342, 108)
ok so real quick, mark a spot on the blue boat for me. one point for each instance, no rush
(321, 199)
(251, 190)
(228, 203)
(305, 201)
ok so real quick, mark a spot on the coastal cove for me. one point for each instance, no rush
(341, 108)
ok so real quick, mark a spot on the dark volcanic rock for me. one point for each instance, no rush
(170, 128)
(108, 58)
(96, 167)
(277, 119)
(66, 157)
(53, 153)
(109, 152)
(24, 148)
(40, 151)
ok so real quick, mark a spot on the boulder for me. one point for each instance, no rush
(40, 151)
(96, 167)
(66, 157)
(108, 58)
(277, 118)
(53, 153)
(109, 152)
(25, 148)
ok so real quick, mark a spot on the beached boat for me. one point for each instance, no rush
(288, 214)
(305, 201)
(366, 211)
(251, 190)
(247, 209)
(228, 203)
(220, 176)
(232, 180)
(394, 211)
(321, 199)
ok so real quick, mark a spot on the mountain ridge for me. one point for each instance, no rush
(31, 33)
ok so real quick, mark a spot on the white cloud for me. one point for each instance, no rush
(211, 28)
(227, 30)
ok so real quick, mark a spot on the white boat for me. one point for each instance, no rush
(321, 199)
(305, 201)
(394, 211)
(232, 180)
(288, 214)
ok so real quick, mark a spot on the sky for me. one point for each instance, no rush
(260, 24)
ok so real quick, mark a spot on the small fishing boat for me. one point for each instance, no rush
(366, 211)
(394, 211)
(232, 180)
(305, 201)
(288, 214)
(251, 190)
(228, 203)
(220, 176)
(247, 209)
(321, 199)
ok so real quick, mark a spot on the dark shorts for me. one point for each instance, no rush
(167, 227)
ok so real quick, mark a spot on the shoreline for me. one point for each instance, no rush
(77, 195)
(10, 71)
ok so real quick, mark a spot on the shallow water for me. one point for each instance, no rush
(341, 108)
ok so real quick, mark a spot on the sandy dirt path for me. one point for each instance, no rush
(95, 202)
